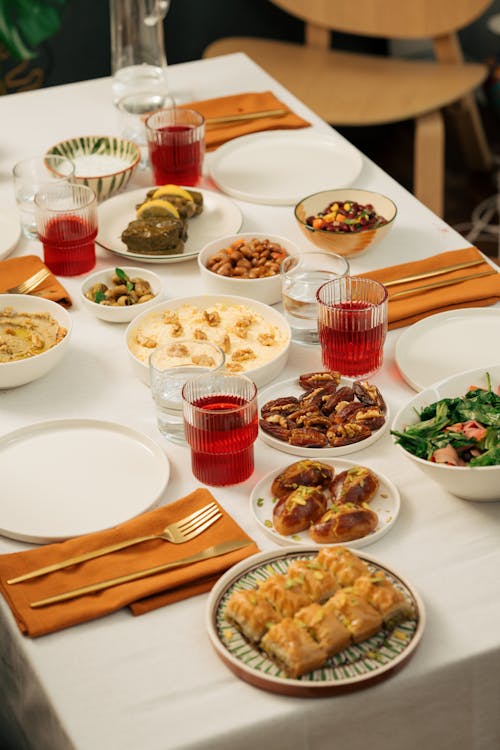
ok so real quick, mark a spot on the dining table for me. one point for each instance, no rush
(155, 682)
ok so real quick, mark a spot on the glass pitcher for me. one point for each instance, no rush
(138, 59)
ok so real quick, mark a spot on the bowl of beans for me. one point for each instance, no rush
(246, 264)
(346, 222)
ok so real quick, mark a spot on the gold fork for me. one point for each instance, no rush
(29, 284)
(178, 533)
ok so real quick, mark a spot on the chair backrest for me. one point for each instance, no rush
(393, 19)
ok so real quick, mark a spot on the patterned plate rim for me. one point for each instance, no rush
(259, 671)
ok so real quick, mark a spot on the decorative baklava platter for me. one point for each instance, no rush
(385, 503)
(220, 216)
(356, 666)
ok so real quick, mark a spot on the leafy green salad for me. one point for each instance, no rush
(461, 431)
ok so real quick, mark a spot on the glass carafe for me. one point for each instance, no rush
(138, 59)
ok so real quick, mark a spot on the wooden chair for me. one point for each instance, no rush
(351, 89)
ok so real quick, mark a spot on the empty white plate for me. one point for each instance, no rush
(69, 477)
(448, 343)
(280, 168)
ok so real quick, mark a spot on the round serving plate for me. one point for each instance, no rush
(353, 668)
(292, 388)
(385, 504)
(220, 216)
(64, 478)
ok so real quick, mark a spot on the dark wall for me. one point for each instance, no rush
(81, 50)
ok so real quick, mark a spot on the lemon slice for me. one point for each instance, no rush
(157, 208)
(172, 190)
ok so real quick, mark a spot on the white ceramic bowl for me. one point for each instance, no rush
(345, 243)
(117, 314)
(260, 375)
(480, 483)
(267, 290)
(23, 371)
(103, 162)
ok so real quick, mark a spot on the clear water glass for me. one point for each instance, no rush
(300, 280)
(170, 367)
(33, 175)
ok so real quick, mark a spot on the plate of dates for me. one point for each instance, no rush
(325, 502)
(322, 414)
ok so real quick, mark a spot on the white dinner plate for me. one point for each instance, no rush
(279, 168)
(10, 232)
(386, 504)
(68, 477)
(355, 667)
(220, 216)
(448, 343)
(292, 388)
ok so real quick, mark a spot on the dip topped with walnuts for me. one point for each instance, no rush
(24, 335)
(246, 338)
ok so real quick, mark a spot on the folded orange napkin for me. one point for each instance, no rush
(473, 293)
(217, 134)
(15, 270)
(144, 594)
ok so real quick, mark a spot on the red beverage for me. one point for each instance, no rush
(221, 436)
(176, 155)
(68, 245)
(350, 343)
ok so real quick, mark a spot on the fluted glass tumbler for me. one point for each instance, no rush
(221, 425)
(176, 144)
(66, 220)
(352, 325)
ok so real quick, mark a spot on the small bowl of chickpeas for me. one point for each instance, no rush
(118, 294)
(246, 264)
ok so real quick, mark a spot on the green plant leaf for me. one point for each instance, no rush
(24, 24)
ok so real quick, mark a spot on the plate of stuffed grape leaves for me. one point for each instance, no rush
(325, 502)
(165, 224)
(311, 622)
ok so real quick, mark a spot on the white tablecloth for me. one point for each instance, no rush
(154, 682)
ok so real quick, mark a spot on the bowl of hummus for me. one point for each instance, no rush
(34, 334)
(254, 337)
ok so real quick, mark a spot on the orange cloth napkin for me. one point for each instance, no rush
(143, 595)
(15, 270)
(217, 134)
(473, 293)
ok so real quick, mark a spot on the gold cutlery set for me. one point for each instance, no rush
(437, 284)
(179, 532)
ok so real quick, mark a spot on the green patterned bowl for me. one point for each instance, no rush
(103, 162)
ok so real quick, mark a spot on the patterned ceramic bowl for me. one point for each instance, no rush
(104, 163)
(345, 242)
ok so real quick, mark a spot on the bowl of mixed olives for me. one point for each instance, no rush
(117, 295)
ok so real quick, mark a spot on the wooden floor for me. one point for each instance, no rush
(392, 148)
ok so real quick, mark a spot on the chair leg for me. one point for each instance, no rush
(428, 161)
(470, 131)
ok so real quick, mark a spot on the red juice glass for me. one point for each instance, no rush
(221, 425)
(176, 145)
(66, 219)
(352, 325)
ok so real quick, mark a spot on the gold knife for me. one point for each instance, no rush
(246, 116)
(439, 284)
(216, 551)
(435, 272)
